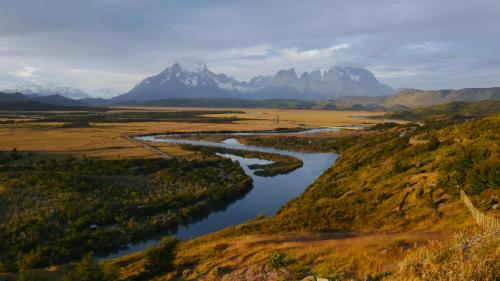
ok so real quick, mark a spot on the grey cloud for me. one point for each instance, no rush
(421, 43)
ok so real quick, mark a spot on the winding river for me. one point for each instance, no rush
(267, 195)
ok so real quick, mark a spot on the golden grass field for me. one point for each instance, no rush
(106, 139)
(323, 253)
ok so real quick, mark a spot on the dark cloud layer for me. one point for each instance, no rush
(113, 43)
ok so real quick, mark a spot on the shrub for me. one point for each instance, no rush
(160, 259)
(278, 259)
(88, 270)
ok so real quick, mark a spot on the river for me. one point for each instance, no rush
(267, 195)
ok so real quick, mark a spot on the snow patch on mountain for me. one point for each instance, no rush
(177, 82)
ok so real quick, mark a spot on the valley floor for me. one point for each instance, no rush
(106, 139)
(393, 190)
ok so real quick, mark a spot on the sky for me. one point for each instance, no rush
(113, 44)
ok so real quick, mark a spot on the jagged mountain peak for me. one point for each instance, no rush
(178, 82)
(175, 68)
(171, 70)
(287, 72)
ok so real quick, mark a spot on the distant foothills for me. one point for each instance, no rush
(341, 88)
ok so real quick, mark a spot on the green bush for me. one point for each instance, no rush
(279, 259)
(160, 259)
(88, 270)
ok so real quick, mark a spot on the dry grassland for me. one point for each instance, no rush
(321, 253)
(105, 139)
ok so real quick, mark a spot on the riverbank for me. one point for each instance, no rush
(271, 189)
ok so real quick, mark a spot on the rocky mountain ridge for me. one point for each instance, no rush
(177, 82)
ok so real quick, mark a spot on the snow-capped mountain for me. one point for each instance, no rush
(329, 84)
(177, 82)
(45, 90)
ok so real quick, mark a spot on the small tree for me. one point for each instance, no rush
(160, 259)
(87, 270)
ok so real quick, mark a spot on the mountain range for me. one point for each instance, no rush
(177, 82)
(341, 88)
(47, 89)
(402, 101)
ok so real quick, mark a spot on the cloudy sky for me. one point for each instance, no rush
(115, 43)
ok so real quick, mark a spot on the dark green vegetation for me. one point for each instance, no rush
(57, 210)
(454, 110)
(89, 270)
(282, 164)
(301, 143)
(85, 117)
(160, 259)
(279, 259)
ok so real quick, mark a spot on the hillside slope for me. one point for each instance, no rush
(402, 179)
(418, 98)
(449, 110)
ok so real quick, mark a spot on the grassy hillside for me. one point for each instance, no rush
(451, 260)
(402, 179)
(451, 110)
(418, 98)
